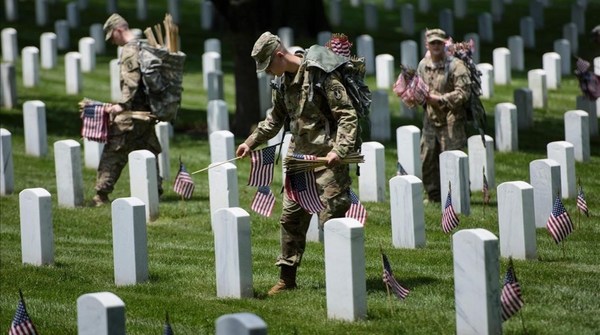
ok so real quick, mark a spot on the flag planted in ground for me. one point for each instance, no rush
(184, 185)
(449, 218)
(356, 211)
(486, 191)
(261, 168)
(95, 121)
(511, 300)
(400, 170)
(263, 201)
(559, 223)
(391, 282)
(21, 323)
(581, 203)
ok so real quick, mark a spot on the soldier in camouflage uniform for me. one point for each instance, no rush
(322, 125)
(444, 117)
(125, 133)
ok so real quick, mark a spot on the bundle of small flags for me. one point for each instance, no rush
(301, 187)
(339, 44)
(411, 88)
(261, 175)
(184, 185)
(95, 120)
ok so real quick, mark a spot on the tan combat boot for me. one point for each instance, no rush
(287, 280)
(100, 199)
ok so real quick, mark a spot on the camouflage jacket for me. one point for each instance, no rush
(450, 79)
(132, 90)
(319, 123)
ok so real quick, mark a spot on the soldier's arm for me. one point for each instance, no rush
(461, 83)
(271, 125)
(130, 75)
(345, 116)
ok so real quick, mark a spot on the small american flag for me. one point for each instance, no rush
(486, 191)
(21, 323)
(261, 169)
(167, 330)
(390, 281)
(449, 218)
(559, 223)
(184, 185)
(356, 211)
(263, 201)
(302, 188)
(510, 297)
(581, 65)
(581, 203)
(95, 121)
(400, 170)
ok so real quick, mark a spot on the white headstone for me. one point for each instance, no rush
(454, 168)
(264, 92)
(286, 34)
(130, 247)
(537, 81)
(407, 17)
(142, 10)
(211, 61)
(563, 48)
(384, 69)
(365, 48)
(497, 10)
(536, 10)
(11, 9)
(222, 144)
(460, 9)
(72, 15)
(223, 187)
(486, 27)
(577, 131)
(207, 15)
(314, 233)
(481, 159)
(408, 147)
(578, 12)
(7, 177)
(111, 6)
(597, 66)
(507, 135)
(41, 12)
(523, 98)
(476, 45)
(34, 124)
(164, 158)
(563, 153)
(371, 17)
(115, 80)
(476, 284)
(101, 313)
(212, 45)
(9, 85)
(215, 90)
(233, 253)
(502, 67)
(517, 54)
(73, 76)
(544, 176)
(380, 116)
(487, 80)
(92, 151)
(446, 21)
(143, 180)
(516, 220)
(407, 213)
(48, 50)
(9, 45)
(335, 12)
(87, 49)
(591, 107)
(69, 179)
(37, 239)
(31, 66)
(61, 29)
(551, 64)
(571, 35)
(371, 182)
(424, 6)
(409, 54)
(527, 31)
(345, 273)
(218, 116)
(240, 324)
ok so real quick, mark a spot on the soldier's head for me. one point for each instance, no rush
(264, 53)
(114, 27)
(435, 38)
(596, 34)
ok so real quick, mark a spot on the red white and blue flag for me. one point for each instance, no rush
(400, 170)
(261, 168)
(301, 187)
(581, 203)
(184, 185)
(486, 190)
(391, 282)
(559, 223)
(449, 218)
(95, 121)
(510, 297)
(263, 201)
(21, 323)
(356, 211)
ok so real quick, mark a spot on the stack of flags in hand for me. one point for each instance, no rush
(21, 323)
(95, 120)
(261, 175)
(301, 187)
(184, 185)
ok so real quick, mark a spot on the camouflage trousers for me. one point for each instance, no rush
(124, 137)
(435, 140)
(333, 185)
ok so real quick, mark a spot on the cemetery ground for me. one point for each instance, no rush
(560, 287)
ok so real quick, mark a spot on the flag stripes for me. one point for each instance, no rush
(391, 282)
(581, 203)
(449, 218)
(559, 223)
(510, 297)
(95, 121)
(263, 201)
(356, 211)
(21, 323)
(184, 185)
(261, 168)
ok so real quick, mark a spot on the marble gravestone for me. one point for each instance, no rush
(516, 220)
(222, 146)
(37, 238)
(544, 176)
(240, 324)
(69, 178)
(408, 147)
(454, 169)
(143, 180)
(7, 177)
(130, 247)
(481, 158)
(371, 182)
(563, 153)
(223, 186)
(101, 313)
(407, 213)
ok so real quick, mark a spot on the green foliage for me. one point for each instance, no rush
(560, 290)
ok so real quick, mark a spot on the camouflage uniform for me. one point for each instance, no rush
(443, 127)
(126, 134)
(313, 133)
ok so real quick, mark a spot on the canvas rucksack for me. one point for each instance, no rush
(162, 74)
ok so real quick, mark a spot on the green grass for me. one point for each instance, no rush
(560, 292)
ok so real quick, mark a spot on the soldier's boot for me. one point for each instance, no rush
(100, 199)
(287, 280)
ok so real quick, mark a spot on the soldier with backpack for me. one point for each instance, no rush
(323, 122)
(444, 117)
(128, 131)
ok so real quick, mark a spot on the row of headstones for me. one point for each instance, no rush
(347, 299)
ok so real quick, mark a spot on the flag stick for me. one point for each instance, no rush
(563, 249)
(217, 164)
(389, 295)
(523, 322)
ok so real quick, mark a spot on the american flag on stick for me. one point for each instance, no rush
(400, 170)
(184, 185)
(167, 330)
(559, 223)
(510, 297)
(391, 282)
(263, 201)
(261, 168)
(486, 191)
(581, 203)
(301, 187)
(21, 323)
(95, 120)
(356, 211)
(449, 218)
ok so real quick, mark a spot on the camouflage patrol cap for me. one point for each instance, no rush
(111, 23)
(263, 50)
(435, 35)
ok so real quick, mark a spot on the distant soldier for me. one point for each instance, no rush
(126, 132)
